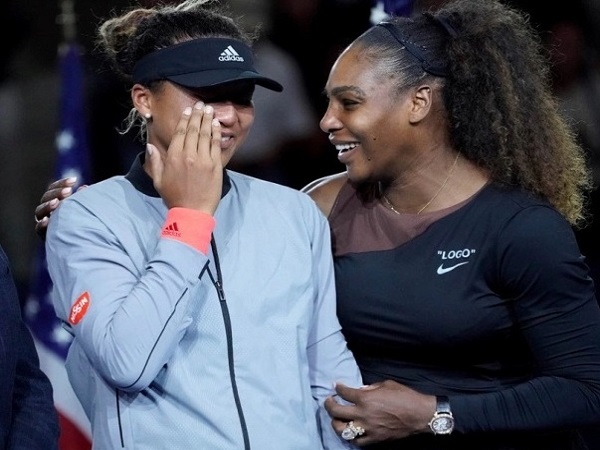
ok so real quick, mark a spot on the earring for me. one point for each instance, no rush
(148, 116)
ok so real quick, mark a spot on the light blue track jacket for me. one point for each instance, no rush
(153, 362)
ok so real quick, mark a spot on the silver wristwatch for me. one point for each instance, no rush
(442, 421)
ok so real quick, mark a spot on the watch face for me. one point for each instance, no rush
(442, 424)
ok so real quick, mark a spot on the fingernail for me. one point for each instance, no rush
(187, 111)
(72, 180)
(208, 109)
(53, 202)
(199, 105)
(149, 149)
(66, 191)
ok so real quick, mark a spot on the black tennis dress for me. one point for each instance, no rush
(489, 302)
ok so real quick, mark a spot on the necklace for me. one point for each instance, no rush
(390, 206)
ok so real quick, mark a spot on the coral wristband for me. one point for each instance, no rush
(189, 226)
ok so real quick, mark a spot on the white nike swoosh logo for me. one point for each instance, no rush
(442, 270)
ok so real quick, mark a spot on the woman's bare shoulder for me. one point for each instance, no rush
(325, 190)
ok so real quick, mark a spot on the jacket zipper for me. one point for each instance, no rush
(218, 283)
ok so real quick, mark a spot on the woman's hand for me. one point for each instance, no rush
(190, 173)
(55, 193)
(387, 411)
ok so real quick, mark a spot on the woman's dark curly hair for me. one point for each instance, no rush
(501, 111)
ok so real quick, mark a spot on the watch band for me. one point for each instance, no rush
(443, 404)
(442, 422)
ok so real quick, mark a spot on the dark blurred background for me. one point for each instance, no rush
(299, 42)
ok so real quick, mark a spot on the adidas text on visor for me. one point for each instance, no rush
(200, 63)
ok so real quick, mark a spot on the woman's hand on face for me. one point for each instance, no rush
(55, 193)
(387, 410)
(190, 174)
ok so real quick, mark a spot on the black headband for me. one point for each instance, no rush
(413, 49)
(447, 26)
(200, 63)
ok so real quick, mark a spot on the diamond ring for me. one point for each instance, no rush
(351, 431)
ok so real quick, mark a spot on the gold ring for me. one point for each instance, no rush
(350, 431)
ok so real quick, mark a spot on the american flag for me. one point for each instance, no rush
(52, 341)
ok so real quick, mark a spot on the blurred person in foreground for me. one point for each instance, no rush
(28, 419)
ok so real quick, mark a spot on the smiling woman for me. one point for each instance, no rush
(461, 290)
